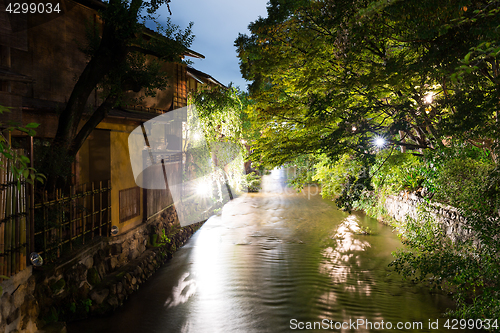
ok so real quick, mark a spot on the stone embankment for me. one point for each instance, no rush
(94, 281)
(406, 205)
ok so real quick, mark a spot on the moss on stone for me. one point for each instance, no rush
(58, 286)
(154, 239)
(93, 276)
(52, 316)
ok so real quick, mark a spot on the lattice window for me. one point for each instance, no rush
(130, 203)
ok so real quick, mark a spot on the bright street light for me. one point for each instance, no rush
(429, 97)
(203, 188)
(379, 142)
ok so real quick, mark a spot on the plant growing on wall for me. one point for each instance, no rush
(19, 163)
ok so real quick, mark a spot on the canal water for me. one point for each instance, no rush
(278, 261)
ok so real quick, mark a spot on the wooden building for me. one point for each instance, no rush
(40, 62)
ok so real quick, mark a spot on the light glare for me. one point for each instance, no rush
(379, 142)
(203, 188)
(429, 98)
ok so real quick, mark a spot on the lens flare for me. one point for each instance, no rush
(203, 188)
(379, 142)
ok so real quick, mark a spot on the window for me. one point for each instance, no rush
(130, 203)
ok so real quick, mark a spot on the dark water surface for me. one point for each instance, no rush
(272, 260)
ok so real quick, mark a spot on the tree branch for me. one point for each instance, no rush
(99, 114)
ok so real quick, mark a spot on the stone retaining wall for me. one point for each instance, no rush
(94, 281)
(406, 205)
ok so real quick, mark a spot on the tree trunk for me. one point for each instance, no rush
(111, 53)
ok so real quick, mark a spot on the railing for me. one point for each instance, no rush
(168, 169)
(13, 221)
(145, 109)
(67, 222)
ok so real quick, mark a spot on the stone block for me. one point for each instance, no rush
(93, 276)
(133, 254)
(113, 301)
(77, 274)
(141, 248)
(58, 286)
(30, 309)
(116, 249)
(101, 269)
(119, 288)
(123, 259)
(18, 296)
(13, 316)
(5, 305)
(98, 296)
(84, 290)
(113, 262)
(30, 285)
(88, 262)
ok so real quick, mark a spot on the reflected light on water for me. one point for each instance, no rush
(340, 259)
(270, 257)
(181, 292)
(337, 257)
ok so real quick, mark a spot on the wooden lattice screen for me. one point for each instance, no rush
(13, 221)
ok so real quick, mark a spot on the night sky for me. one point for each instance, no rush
(216, 26)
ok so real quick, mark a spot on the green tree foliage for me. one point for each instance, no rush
(329, 76)
(394, 172)
(220, 113)
(224, 119)
(344, 179)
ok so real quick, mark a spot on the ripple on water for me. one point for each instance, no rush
(301, 259)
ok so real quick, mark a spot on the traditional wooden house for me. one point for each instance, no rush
(39, 63)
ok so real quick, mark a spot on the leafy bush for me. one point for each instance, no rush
(395, 171)
(438, 160)
(462, 182)
(468, 269)
(251, 182)
(303, 172)
(334, 176)
(19, 166)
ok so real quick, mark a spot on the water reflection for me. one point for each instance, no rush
(338, 264)
(271, 257)
(181, 292)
